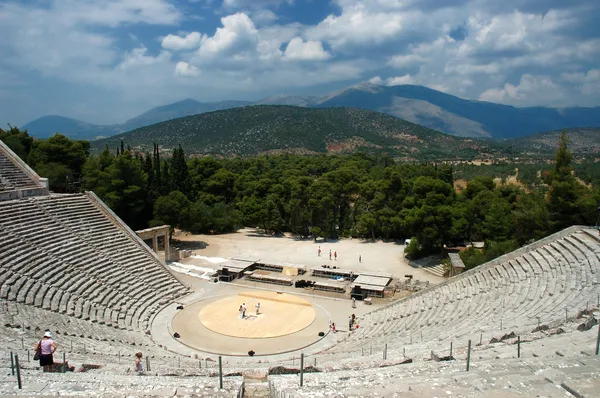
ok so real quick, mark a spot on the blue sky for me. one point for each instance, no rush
(107, 61)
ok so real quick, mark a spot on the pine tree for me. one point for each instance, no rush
(564, 189)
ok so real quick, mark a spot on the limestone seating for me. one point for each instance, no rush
(51, 277)
(530, 280)
(97, 384)
(119, 241)
(22, 218)
(12, 176)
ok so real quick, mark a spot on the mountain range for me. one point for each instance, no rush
(276, 129)
(420, 105)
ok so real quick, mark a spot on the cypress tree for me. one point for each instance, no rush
(157, 174)
(179, 171)
(166, 179)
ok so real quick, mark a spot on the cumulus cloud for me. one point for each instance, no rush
(393, 81)
(178, 43)
(237, 34)
(522, 52)
(357, 25)
(588, 82)
(264, 17)
(406, 60)
(528, 92)
(137, 57)
(186, 70)
(298, 49)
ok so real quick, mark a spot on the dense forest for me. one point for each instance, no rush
(321, 196)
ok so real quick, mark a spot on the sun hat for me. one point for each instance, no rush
(48, 334)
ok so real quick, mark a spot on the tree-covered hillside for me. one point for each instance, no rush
(583, 141)
(257, 130)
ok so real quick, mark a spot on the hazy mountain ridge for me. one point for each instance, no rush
(479, 118)
(262, 129)
(582, 141)
(176, 110)
(47, 126)
(417, 104)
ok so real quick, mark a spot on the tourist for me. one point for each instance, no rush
(139, 367)
(333, 327)
(330, 254)
(319, 251)
(47, 347)
(353, 302)
(241, 311)
(335, 255)
(257, 308)
(359, 258)
(349, 322)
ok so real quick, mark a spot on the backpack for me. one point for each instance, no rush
(38, 351)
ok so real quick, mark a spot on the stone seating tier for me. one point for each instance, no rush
(537, 285)
(11, 177)
(50, 259)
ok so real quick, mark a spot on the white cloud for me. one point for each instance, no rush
(377, 80)
(178, 43)
(406, 60)
(588, 83)
(530, 91)
(237, 34)
(264, 17)
(393, 81)
(137, 57)
(186, 70)
(357, 25)
(298, 49)
(522, 52)
(113, 12)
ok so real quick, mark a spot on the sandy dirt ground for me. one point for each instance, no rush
(375, 256)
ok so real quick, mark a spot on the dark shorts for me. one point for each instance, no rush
(46, 360)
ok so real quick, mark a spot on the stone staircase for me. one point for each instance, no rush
(256, 386)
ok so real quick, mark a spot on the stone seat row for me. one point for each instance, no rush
(11, 177)
(345, 374)
(69, 264)
(539, 283)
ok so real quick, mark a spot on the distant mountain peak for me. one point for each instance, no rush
(417, 104)
(368, 86)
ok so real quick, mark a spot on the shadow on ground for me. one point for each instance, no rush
(189, 245)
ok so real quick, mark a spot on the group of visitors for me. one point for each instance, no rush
(242, 310)
(335, 255)
(330, 252)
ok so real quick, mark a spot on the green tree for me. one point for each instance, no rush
(179, 171)
(61, 159)
(172, 209)
(17, 140)
(565, 191)
(121, 184)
